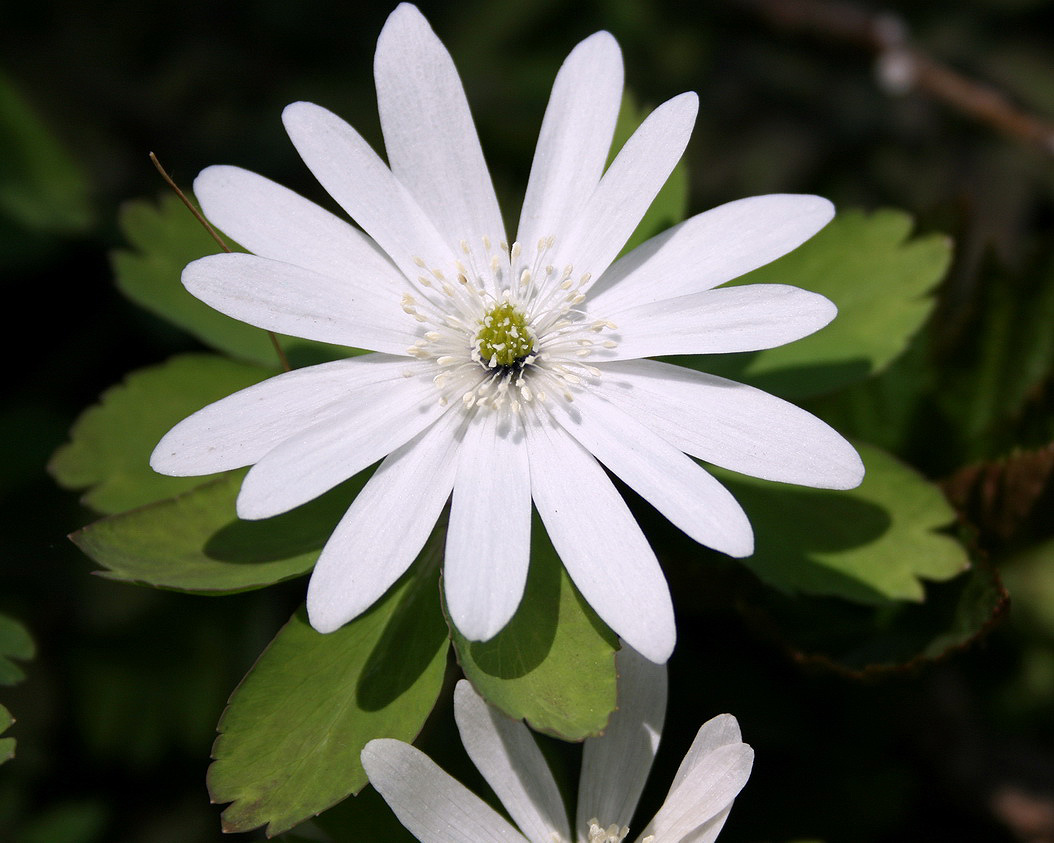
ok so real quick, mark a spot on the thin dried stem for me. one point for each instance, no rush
(903, 67)
(215, 236)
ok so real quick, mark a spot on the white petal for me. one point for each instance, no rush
(711, 248)
(716, 732)
(385, 527)
(509, 759)
(433, 805)
(374, 421)
(708, 831)
(626, 190)
(574, 140)
(616, 765)
(296, 301)
(240, 429)
(489, 540)
(719, 321)
(707, 790)
(429, 136)
(274, 222)
(363, 186)
(599, 542)
(675, 485)
(732, 425)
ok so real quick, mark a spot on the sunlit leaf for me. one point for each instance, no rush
(290, 739)
(166, 237)
(553, 665)
(872, 544)
(196, 542)
(881, 280)
(110, 444)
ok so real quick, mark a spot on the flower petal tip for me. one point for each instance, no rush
(298, 115)
(657, 651)
(322, 618)
(853, 471)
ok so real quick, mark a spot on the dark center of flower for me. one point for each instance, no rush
(504, 341)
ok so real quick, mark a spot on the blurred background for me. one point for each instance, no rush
(117, 712)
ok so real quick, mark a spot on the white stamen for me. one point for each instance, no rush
(523, 306)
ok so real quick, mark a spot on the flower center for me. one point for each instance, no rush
(508, 329)
(504, 339)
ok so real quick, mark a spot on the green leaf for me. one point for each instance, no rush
(111, 443)
(881, 281)
(863, 641)
(995, 385)
(41, 187)
(670, 205)
(165, 238)
(554, 664)
(15, 643)
(196, 542)
(872, 544)
(290, 739)
(7, 745)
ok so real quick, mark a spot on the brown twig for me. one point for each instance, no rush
(903, 67)
(215, 236)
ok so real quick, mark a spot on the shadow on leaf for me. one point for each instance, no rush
(411, 637)
(522, 645)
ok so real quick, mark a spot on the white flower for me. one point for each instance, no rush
(503, 374)
(436, 808)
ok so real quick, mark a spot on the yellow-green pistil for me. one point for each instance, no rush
(504, 339)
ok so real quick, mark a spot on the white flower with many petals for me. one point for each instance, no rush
(438, 809)
(502, 373)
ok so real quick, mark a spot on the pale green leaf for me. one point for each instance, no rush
(111, 443)
(290, 739)
(872, 544)
(882, 281)
(164, 239)
(196, 542)
(554, 664)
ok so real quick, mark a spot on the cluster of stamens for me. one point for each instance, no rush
(612, 834)
(508, 330)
